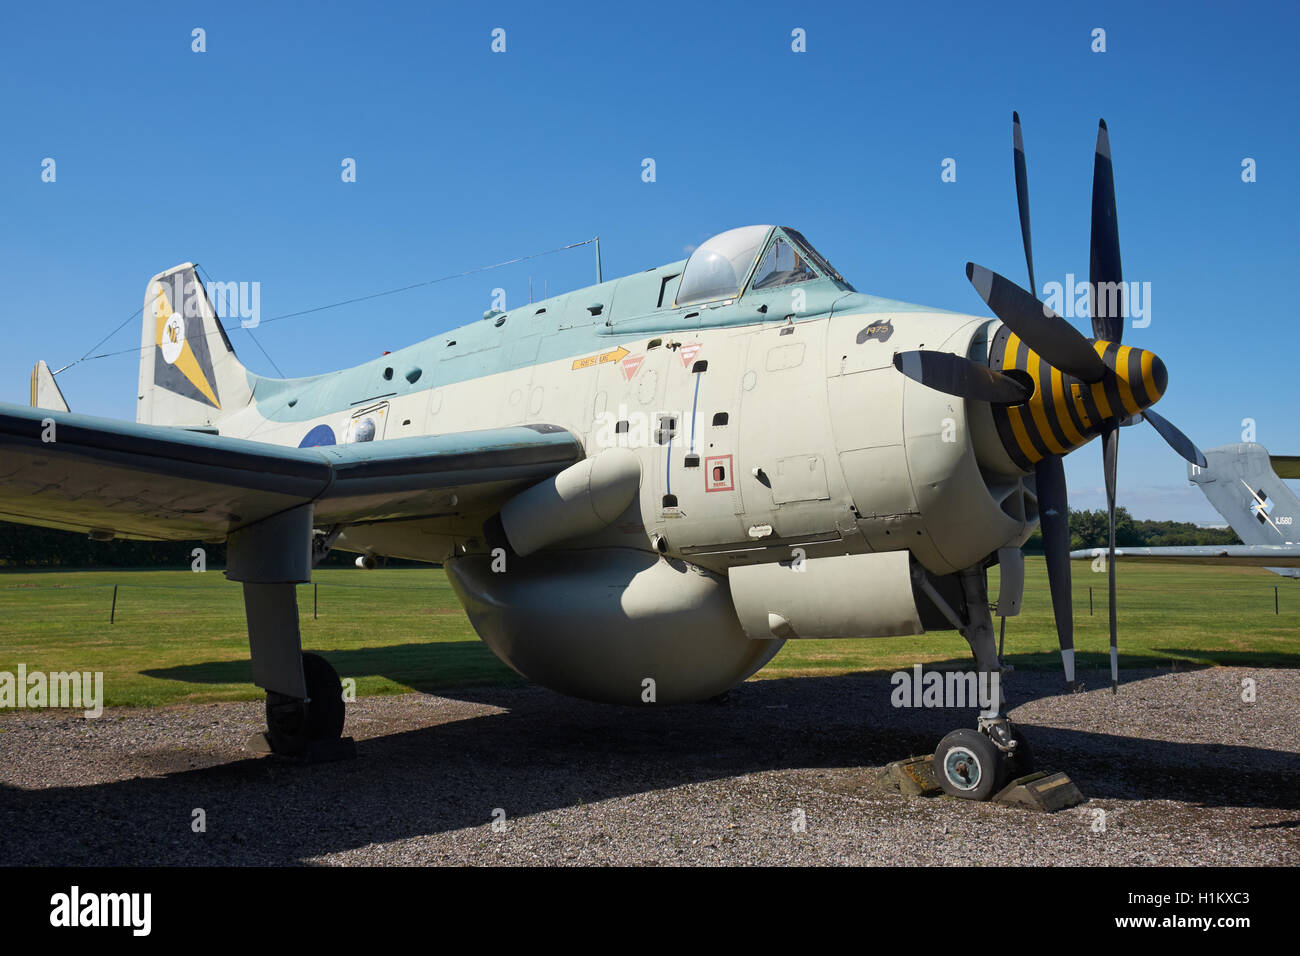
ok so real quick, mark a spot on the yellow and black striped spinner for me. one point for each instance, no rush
(1064, 412)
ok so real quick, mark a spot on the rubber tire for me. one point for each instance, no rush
(988, 764)
(292, 724)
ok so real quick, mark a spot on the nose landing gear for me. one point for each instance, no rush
(978, 764)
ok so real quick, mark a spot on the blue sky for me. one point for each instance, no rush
(465, 157)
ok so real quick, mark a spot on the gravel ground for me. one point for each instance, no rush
(1184, 770)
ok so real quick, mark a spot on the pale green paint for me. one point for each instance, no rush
(559, 327)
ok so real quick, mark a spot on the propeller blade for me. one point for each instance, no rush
(1110, 461)
(1055, 339)
(1174, 438)
(1054, 519)
(1022, 196)
(1105, 272)
(955, 375)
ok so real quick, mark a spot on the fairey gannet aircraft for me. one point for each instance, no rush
(651, 483)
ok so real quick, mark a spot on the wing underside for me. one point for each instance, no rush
(120, 479)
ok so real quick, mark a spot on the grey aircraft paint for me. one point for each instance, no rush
(1242, 485)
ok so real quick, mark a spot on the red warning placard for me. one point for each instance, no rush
(717, 474)
(631, 364)
(688, 353)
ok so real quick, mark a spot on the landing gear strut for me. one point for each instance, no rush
(976, 764)
(304, 697)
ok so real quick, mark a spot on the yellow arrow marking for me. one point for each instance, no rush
(617, 355)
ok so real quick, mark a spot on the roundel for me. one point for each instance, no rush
(173, 338)
(320, 435)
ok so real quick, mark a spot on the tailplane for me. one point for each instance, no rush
(189, 374)
(45, 391)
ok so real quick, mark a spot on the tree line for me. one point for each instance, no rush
(1090, 529)
(27, 546)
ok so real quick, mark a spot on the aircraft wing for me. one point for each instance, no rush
(125, 480)
(1286, 466)
(1242, 555)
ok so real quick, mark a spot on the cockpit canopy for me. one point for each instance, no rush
(774, 256)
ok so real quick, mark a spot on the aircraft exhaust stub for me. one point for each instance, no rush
(583, 499)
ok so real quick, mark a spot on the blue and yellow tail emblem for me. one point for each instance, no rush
(182, 361)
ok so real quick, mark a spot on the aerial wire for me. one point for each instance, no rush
(88, 357)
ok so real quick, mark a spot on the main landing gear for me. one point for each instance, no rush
(299, 727)
(304, 696)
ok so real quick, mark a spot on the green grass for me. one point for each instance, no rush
(1168, 614)
(180, 636)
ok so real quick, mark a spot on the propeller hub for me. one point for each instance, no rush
(1064, 412)
(1140, 376)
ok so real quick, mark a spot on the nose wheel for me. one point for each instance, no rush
(969, 763)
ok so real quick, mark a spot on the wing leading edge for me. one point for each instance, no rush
(120, 479)
(1242, 555)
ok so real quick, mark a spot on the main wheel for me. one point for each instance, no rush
(292, 724)
(967, 765)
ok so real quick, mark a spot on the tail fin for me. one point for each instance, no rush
(1240, 482)
(188, 371)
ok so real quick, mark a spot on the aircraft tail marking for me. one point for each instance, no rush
(189, 374)
(1240, 482)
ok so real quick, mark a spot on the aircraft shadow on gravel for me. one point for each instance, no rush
(443, 667)
(466, 670)
(548, 752)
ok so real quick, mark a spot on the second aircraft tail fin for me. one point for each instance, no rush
(1240, 482)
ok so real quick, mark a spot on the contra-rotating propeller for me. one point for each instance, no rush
(1119, 383)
